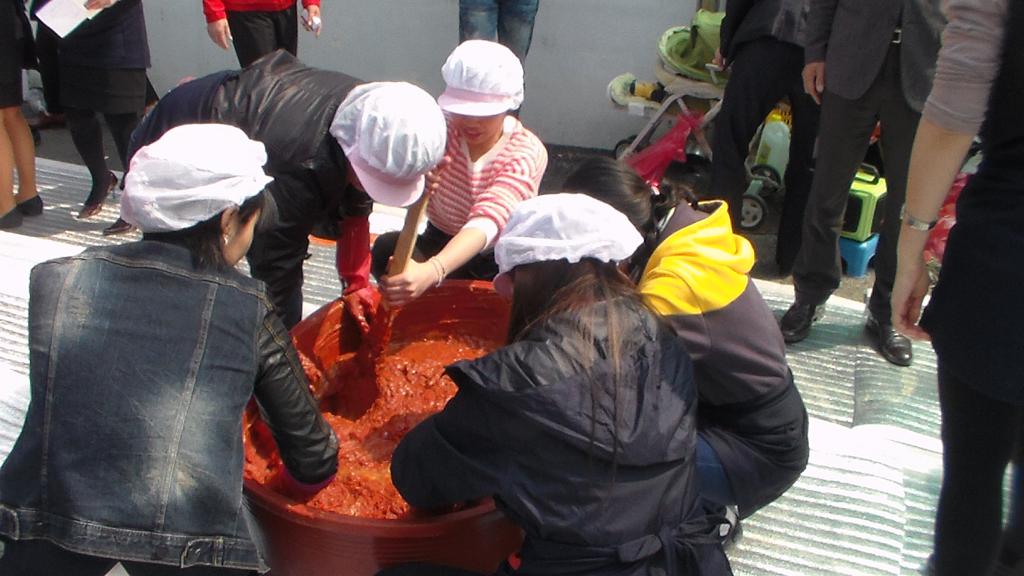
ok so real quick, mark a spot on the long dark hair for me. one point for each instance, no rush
(203, 240)
(616, 184)
(545, 289)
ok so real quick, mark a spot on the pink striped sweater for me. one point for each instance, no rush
(491, 187)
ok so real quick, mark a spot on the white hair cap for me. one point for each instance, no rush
(392, 134)
(190, 174)
(563, 226)
(484, 79)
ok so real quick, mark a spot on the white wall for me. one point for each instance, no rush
(578, 46)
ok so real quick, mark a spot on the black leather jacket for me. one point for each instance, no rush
(141, 368)
(287, 106)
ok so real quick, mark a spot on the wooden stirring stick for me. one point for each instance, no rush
(379, 335)
(407, 237)
(375, 341)
(380, 330)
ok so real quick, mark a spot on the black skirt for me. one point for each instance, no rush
(976, 312)
(15, 51)
(109, 91)
(10, 88)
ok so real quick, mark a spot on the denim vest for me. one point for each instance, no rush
(140, 368)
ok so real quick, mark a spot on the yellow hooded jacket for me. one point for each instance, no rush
(750, 412)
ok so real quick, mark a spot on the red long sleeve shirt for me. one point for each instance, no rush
(218, 9)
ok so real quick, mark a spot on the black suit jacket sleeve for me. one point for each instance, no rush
(735, 12)
(819, 28)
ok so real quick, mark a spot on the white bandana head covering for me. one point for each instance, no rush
(392, 134)
(483, 79)
(562, 226)
(192, 173)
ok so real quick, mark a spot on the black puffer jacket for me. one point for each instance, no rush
(597, 491)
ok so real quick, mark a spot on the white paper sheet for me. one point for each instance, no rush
(63, 16)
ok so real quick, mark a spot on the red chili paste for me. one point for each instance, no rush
(410, 385)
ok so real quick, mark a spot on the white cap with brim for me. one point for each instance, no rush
(562, 226)
(483, 79)
(192, 173)
(392, 134)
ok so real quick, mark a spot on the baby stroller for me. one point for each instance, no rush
(685, 83)
(685, 99)
(684, 141)
(687, 80)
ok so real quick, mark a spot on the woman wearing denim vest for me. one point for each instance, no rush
(143, 359)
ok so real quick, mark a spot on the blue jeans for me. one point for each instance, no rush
(712, 483)
(509, 22)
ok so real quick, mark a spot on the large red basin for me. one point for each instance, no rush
(319, 543)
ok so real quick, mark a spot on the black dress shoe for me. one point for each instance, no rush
(892, 345)
(31, 207)
(796, 322)
(118, 227)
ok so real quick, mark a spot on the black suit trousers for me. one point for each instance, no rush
(764, 71)
(846, 127)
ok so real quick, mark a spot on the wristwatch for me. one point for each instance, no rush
(914, 223)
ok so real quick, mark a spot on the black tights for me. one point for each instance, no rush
(43, 558)
(980, 436)
(87, 134)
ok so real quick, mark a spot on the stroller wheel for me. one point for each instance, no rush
(622, 145)
(753, 212)
(769, 176)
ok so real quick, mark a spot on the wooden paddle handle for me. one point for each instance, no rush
(407, 237)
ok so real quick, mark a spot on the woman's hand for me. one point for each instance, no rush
(311, 20)
(910, 286)
(220, 33)
(410, 284)
(937, 156)
(99, 4)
